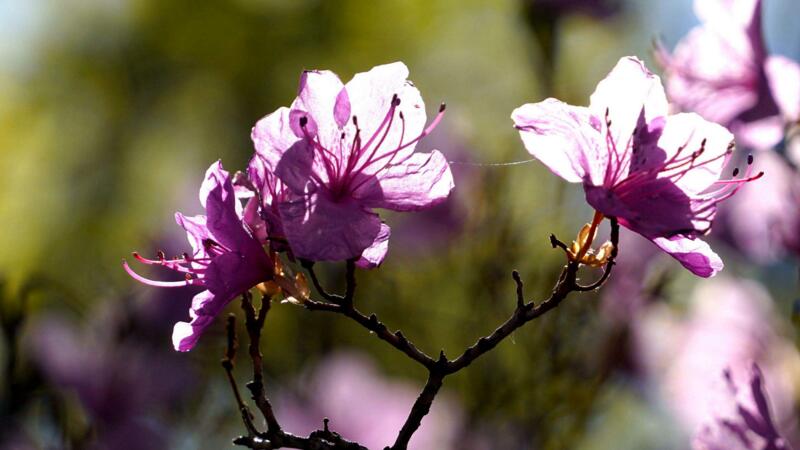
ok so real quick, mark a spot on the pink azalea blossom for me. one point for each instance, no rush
(342, 150)
(658, 174)
(729, 325)
(723, 72)
(226, 259)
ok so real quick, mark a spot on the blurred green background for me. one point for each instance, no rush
(111, 110)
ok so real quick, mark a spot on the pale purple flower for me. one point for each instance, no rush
(226, 258)
(658, 174)
(365, 406)
(728, 325)
(343, 150)
(723, 72)
(750, 426)
(122, 386)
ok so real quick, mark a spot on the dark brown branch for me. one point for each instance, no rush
(420, 409)
(227, 364)
(371, 323)
(317, 440)
(254, 323)
(309, 266)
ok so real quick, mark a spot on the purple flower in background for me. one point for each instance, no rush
(226, 260)
(722, 71)
(729, 325)
(343, 150)
(364, 406)
(121, 385)
(657, 174)
(750, 427)
(763, 220)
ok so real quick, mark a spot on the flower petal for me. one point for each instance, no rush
(223, 209)
(317, 95)
(370, 96)
(565, 138)
(196, 232)
(686, 133)
(712, 74)
(319, 229)
(421, 181)
(373, 255)
(186, 334)
(622, 95)
(694, 254)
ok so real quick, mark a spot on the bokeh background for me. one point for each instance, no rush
(110, 112)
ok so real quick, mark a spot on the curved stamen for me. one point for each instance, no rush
(168, 284)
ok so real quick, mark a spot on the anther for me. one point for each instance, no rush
(442, 107)
(735, 171)
(395, 100)
(750, 159)
(303, 121)
(161, 255)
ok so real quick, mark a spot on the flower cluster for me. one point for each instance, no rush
(320, 168)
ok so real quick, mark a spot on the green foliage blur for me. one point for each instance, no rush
(110, 112)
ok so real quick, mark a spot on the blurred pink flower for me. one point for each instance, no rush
(226, 260)
(751, 426)
(657, 174)
(729, 326)
(343, 150)
(364, 406)
(121, 384)
(763, 220)
(723, 72)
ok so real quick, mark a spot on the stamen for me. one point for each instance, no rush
(141, 279)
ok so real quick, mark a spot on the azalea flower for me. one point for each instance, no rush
(657, 174)
(751, 427)
(727, 325)
(226, 259)
(342, 150)
(723, 72)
